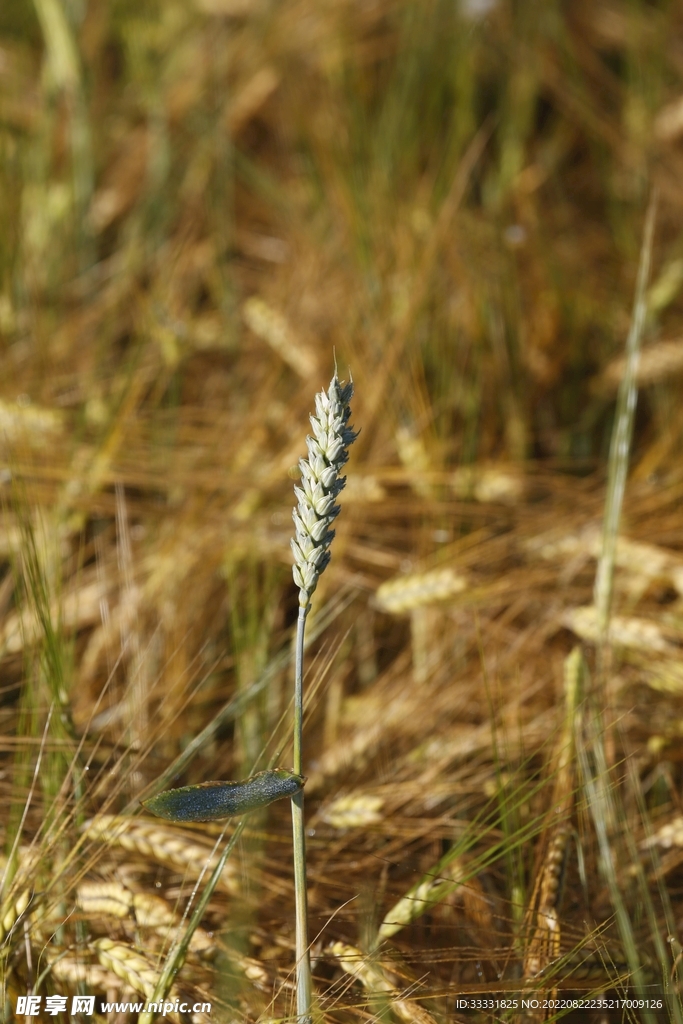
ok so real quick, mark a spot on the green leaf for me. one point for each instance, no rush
(210, 800)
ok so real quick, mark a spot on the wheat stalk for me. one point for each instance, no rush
(321, 485)
(371, 974)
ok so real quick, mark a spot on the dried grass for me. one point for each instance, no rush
(197, 207)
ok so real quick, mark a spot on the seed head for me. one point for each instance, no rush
(320, 486)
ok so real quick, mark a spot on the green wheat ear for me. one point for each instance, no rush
(320, 487)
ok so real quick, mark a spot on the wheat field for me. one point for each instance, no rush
(472, 207)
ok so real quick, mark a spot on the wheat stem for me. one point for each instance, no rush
(313, 516)
(303, 961)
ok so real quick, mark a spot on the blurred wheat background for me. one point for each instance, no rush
(201, 203)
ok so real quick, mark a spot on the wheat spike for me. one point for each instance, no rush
(667, 836)
(355, 810)
(321, 485)
(273, 328)
(659, 361)
(128, 965)
(544, 946)
(406, 593)
(414, 455)
(427, 893)
(373, 978)
(75, 972)
(168, 846)
(640, 562)
(631, 633)
(113, 899)
(12, 911)
(28, 422)
(487, 484)
(153, 911)
(110, 898)
(545, 942)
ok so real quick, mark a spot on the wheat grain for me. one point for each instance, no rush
(169, 847)
(109, 898)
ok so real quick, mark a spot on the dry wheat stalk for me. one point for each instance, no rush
(168, 846)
